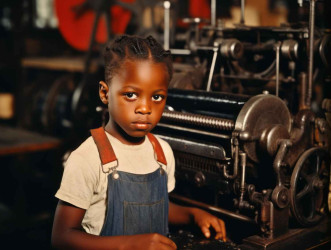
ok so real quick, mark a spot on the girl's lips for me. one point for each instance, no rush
(141, 125)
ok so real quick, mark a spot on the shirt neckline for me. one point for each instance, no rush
(114, 141)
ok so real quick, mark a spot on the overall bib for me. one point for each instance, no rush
(136, 203)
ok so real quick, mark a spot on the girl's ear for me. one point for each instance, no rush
(103, 92)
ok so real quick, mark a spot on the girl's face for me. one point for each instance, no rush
(136, 99)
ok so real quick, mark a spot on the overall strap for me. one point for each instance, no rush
(157, 149)
(106, 151)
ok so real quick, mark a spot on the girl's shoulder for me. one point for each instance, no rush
(86, 153)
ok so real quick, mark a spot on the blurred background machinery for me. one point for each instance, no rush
(248, 111)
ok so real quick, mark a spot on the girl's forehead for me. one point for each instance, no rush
(142, 72)
(143, 64)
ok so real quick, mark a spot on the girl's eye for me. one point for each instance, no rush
(130, 96)
(157, 98)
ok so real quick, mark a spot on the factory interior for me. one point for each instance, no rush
(248, 113)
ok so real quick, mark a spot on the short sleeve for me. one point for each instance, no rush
(170, 164)
(78, 182)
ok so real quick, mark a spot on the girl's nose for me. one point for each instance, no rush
(144, 108)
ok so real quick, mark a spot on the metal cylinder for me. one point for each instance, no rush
(217, 104)
(290, 49)
(198, 120)
(232, 49)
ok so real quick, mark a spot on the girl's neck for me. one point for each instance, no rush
(117, 132)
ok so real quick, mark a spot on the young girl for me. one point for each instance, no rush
(116, 183)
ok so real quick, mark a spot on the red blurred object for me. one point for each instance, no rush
(196, 8)
(199, 8)
(77, 30)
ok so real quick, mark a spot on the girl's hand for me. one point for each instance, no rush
(148, 241)
(205, 220)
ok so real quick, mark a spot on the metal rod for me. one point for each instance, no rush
(243, 176)
(166, 6)
(181, 51)
(213, 13)
(212, 67)
(160, 124)
(302, 90)
(212, 208)
(198, 47)
(242, 17)
(277, 67)
(311, 51)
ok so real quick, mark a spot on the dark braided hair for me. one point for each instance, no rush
(134, 48)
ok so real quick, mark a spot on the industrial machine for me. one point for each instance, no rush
(253, 144)
(248, 158)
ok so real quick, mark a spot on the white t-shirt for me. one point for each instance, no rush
(84, 182)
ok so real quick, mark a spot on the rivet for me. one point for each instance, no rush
(115, 176)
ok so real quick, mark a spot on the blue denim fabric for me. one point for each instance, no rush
(137, 204)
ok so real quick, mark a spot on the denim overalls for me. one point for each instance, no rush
(136, 203)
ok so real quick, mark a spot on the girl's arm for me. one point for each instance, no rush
(68, 234)
(185, 215)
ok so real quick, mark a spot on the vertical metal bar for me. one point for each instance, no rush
(243, 176)
(212, 67)
(213, 13)
(242, 17)
(311, 51)
(302, 90)
(277, 67)
(166, 6)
